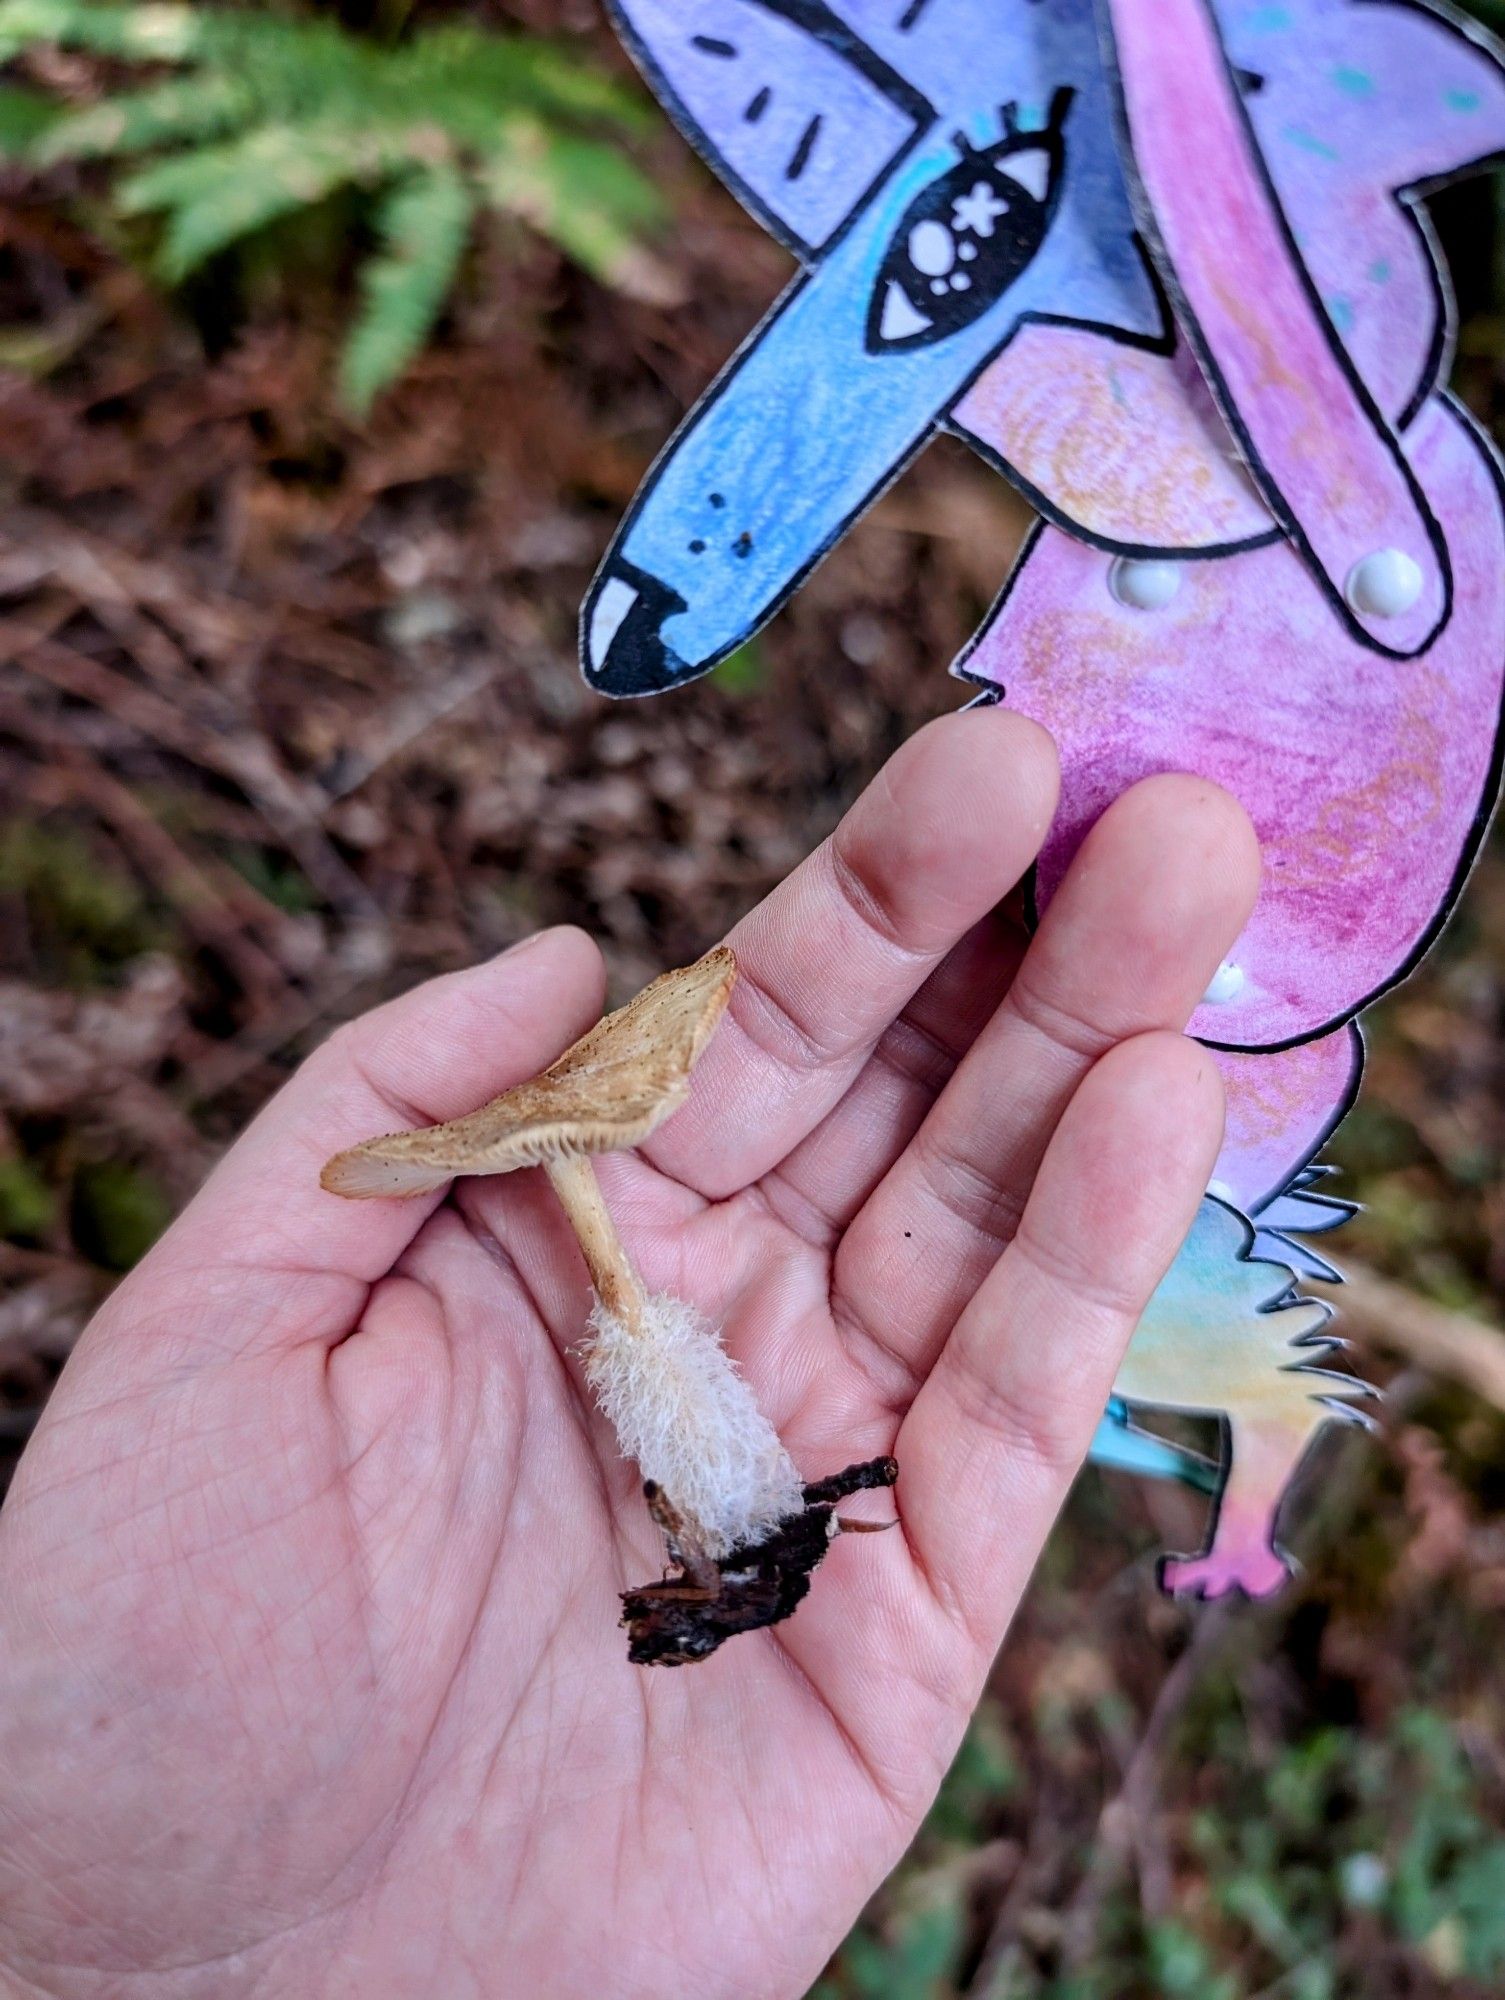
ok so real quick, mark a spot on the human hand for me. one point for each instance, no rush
(310, 1574)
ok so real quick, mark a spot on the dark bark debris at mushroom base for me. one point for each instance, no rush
(704, 1602)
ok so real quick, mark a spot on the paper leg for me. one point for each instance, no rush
(1227, 1334)
(1263, 1448)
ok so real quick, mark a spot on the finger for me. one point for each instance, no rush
(1162, 886)
(826, 1179)
(439, 1050)
(1001, 1427)
(833, 955)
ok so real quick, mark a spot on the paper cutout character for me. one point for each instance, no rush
(811, 107)
(1226, 1331)
(1369, 780)
(1162, 263)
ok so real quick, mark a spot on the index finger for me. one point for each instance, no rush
(940, 836)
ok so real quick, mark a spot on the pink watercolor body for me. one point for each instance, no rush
(1340, 481)
(1366, 777)
(1280, 1109)
(1352, 104)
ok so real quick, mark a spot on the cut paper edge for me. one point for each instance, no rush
(1280, 1112)
(897, 112)
(1272, 415)
(1121, 1445)
(1462, 463)
(1229, 1335)
(1002, 415)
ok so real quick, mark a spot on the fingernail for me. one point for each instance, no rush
(534, 939)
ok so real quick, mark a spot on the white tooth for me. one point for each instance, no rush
(611, 607)
(1031, 170)
(900, 319)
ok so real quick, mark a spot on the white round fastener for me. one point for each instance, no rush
(1384, 584)
(1143, 585)
(1226, 984)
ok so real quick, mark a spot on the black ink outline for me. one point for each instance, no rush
(800, 158)
(1053, 512)
(991, 163)
(1410, 199)
(1320, 1345)
(1207, 360)
(833, 34)
(1161, 341)
(1468, 853)
(1358, 1062)
(1435, 368)
(1322, 1338)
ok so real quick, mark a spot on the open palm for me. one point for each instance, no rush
(310, 1576)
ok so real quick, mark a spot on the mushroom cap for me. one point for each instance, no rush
(609, 1091)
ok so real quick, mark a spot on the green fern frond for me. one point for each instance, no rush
(26, 118)
(146, 33)
(465, 75)
(218, 194)
(456, 73)
(582, 195)
(424, 224)
(168, 114)
(270, 113)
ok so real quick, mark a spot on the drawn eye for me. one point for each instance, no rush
(966, 237)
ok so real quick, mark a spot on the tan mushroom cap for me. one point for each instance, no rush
(615, 1086)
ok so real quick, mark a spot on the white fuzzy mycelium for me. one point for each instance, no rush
(682, 1410)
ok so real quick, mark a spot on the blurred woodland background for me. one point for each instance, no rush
(333, 341)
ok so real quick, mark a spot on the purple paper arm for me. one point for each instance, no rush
(1324, 458)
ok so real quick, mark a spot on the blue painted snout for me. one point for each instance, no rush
(853, 370)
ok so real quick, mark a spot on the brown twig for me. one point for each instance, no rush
(1125, 1835)
(216, 911)
(217, 743)
(406, 722)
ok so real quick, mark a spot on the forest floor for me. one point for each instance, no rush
(290, 718)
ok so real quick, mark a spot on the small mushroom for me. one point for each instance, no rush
(742, 1530)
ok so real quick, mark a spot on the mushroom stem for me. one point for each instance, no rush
(742, 1530)
(617, 1283)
